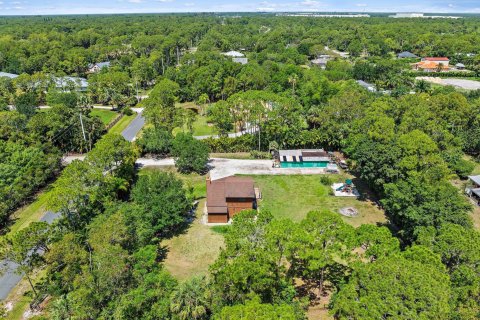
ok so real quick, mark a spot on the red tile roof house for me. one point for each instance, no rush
(228, 196)
(432, 64)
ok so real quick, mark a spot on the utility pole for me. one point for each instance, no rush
(83, 129)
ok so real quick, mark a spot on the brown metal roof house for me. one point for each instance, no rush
(228, 196)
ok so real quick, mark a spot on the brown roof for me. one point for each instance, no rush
(314, 153)
(230, 187)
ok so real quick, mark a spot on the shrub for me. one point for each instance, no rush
(326, 180)
(127, 111)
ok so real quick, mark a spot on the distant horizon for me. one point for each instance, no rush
(75, 7)
(240, 12)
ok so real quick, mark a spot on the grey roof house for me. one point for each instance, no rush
(95, 67)
(370, 87)
(406, 55)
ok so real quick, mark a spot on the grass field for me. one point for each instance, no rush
(122, 124)
(236, 155)
(191, 253)
(29, 213)
(294, 196)
(105, 115)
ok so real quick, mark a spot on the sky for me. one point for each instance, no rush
(35, 7)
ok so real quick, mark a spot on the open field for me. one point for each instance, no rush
(105, 115)
(122, 124)
(294, 196)
(200, 127)
(193, 251)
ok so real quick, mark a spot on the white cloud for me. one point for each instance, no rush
(310, 3)
(361, 5)
(263, 9)
(135, 1)
(189, 4)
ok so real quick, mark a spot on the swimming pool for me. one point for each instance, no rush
(305, 164)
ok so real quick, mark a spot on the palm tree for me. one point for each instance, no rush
(190, 300)
(293, 79)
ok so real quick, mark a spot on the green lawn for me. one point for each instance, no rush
(293, 196)
(29, 213)
(122, 124)
(193, 251)
(200, 127)
(105, 115)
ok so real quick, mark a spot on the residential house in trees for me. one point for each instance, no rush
(96, 67)
(228, 196)
(432, 64)
(236, 56)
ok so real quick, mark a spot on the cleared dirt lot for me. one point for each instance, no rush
(459, 83)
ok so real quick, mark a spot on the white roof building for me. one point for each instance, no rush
(8, 75)
(234, 54)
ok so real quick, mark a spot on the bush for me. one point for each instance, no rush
(254, 154)
(127, 111)
(190, 155)
(244, 143)
(156, 141)
(463, 168)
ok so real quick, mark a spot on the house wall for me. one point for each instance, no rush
(236, 205)
(217, 218)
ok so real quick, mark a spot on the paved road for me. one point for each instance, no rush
(130, 132)
(10, 279)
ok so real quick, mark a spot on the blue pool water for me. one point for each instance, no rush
(305, 164)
